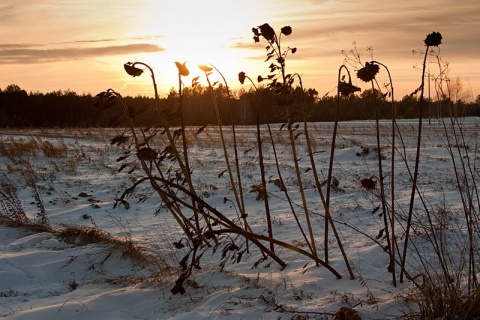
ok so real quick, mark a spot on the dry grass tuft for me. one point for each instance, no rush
(15, 149)
(8, 221)
(446, 300)
(20, 148)
(54, 151)
(81, 236)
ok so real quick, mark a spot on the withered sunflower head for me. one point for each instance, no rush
(287, 30)
(105, 100)
(205, 68)
(182, 69)
(132, 70)
(368, 72)
(347, 88)
(241, 77)
(267, 32)
(433, 39)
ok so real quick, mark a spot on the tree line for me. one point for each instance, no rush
(69, 109)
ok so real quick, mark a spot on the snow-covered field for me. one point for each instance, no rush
(42, 277)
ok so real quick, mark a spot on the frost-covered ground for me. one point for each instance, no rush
(42, 277)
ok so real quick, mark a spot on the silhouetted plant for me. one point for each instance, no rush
(281, 85)
(433, 39)
(236, 185)
(183, 72)
(211, 229)
(243, 212)
(242, 77)
(447, 287)
(393, 241)
(318, 184)
(368, 74)
(344, 89)
(149, 160)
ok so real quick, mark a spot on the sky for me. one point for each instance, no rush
(81, 46)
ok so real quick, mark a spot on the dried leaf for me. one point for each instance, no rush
(200, 130)
(368, 183)
(380, 234)
(178, 245)
(118, 140)
(147, 154)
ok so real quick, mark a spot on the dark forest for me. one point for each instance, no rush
(68, 109)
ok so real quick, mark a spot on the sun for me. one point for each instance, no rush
(202, 33)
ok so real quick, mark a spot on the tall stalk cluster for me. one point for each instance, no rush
(281, 84)
(169, 173)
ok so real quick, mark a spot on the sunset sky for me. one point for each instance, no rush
(49, 45)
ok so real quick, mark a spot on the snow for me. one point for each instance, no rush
(44, 277)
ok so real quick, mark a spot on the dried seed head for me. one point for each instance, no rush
(241, 77)
(205, 68)
(267, 32)
(182, 69)
(433, 39)
(286, 30)
(105, 100)
(132, 70)
(347, 89)
(368, 72)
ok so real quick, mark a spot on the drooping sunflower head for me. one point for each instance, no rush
(368, 72)
(433, 39)
(182, 69)
(132, 70)
(241, 77)
(347, 88)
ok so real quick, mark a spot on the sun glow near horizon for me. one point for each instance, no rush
(200, 35)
